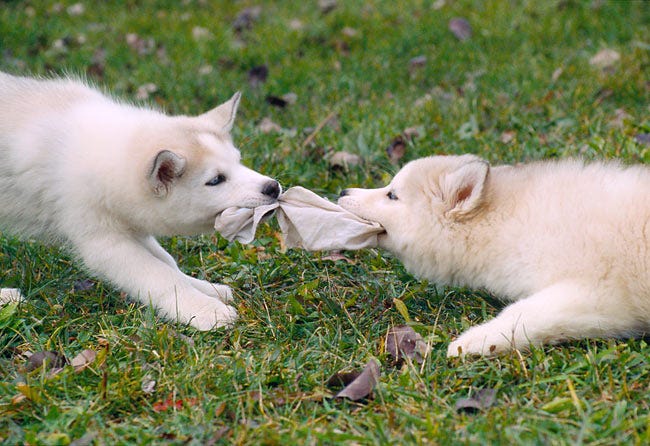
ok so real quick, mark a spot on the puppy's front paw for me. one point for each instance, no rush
(213, 315)
(479, 341)
(221, 292)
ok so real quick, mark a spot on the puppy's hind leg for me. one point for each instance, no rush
(564, 311)
(221, 292)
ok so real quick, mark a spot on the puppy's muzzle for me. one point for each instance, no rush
(344, 192)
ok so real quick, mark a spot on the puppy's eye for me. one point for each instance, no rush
(391, 196)
(216, 180)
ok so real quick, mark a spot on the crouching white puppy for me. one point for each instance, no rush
(568, 243)
(104, 178)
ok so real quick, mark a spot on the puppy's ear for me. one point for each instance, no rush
(224, 115)
(167, 167)
(463, 189)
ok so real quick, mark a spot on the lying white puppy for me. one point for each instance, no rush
(104, 177)
(568, 243)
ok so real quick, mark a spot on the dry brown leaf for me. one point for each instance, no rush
(417, 62)
(358, 385)
(246, 18)
(411, 133)
(257, 75)
(140, 45)
(349, 32)
(327, 5)
(200, 33)
(508, 136)
(343, 160)
(83, 360)
(605, 58)
(335, 256)
(480, 400)
(460, 28)
(276, 101)
(642, 138)
(268, 126)
(556, 74)
(290, 98)
(145, 90)
(403, 342)
(296, 25)
(396, 149)
(47, 359)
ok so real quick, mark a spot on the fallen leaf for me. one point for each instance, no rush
(349, 32)
(85, 440)
(257, 75)
(403, 342)
(620, 116)
(276, 101)
(460, 28)
(268, 126)
(361, 387)
(423, 100)
(169, 403)
(508, 136)
(98, 64)
(411, 133)
(605, 58)
(327, 5)
(145, 90)
(218, 435)
(642, 138)
(341, 379)
(296, 25)
(246, 18)
(396, 149)
(18, 398)
(200, 33)
(140, 45)
(290, 98)
(83, 360)
(335, 256)
(148, 385)
(480, 400)
(556, 74)
(343, 160)
(83, 285)
(417, 62)
(76, 9)
(47, 359)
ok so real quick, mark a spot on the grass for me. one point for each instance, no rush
(304, 317)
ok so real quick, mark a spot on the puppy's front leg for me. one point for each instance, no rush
(221, 292)
(560, 312)
(132, 267)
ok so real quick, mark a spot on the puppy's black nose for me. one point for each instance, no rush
(272, 189)
(343, 193)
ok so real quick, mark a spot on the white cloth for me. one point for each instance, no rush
(306, 220)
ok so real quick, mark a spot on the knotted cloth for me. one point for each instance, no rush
(306, 220)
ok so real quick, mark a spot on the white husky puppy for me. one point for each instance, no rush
(104, 178)
(568, 243)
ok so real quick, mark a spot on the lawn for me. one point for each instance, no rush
(522, 82)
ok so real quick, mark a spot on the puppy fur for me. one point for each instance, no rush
(566, 243)
(104, 177)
